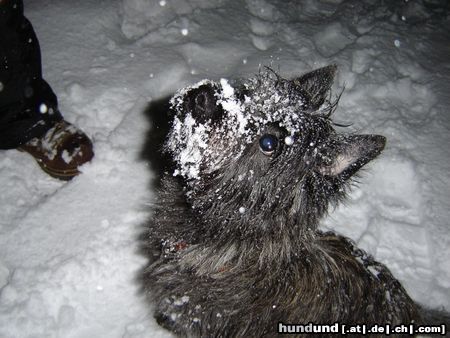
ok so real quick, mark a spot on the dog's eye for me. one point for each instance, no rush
(268, 144)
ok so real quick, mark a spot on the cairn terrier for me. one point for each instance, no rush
(234, 245)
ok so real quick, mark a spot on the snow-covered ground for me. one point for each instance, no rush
(69, 251)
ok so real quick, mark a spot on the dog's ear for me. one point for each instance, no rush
(315, 85)
(201, 102)
(351, 153)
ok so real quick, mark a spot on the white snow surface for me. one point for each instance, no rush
(68, 250)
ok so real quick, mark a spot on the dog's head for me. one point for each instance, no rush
(265, 149)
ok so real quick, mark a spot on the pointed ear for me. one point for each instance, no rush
(316, 85)
(353, 152)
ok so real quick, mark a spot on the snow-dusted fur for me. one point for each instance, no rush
(233, 245)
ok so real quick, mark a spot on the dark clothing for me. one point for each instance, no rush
(28, 106)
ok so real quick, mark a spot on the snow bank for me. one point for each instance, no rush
(143, 16)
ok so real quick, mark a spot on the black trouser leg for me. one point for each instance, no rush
(28, 105)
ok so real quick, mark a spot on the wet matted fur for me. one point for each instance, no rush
(233, 245)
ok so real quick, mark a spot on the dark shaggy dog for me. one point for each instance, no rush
(234, 246)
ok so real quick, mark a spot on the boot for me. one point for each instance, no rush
(60, 151)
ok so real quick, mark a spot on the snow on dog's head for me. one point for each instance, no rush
(263, 136)
(230, 118)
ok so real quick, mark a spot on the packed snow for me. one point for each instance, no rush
(69, 255)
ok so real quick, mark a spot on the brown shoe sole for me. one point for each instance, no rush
(65, 175)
